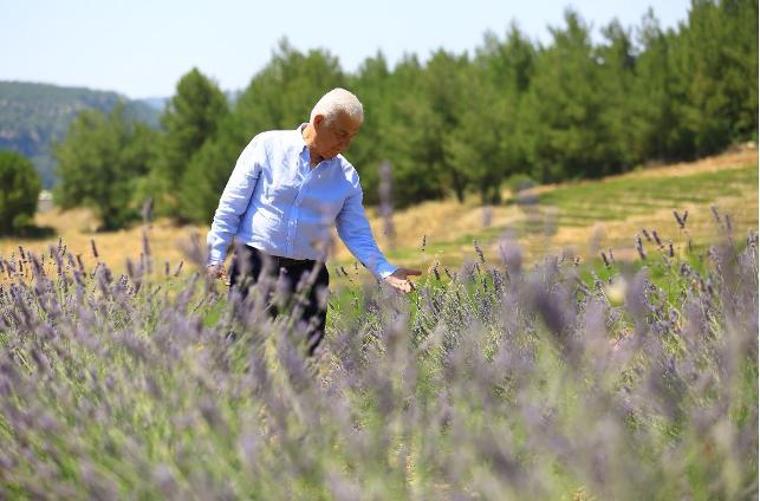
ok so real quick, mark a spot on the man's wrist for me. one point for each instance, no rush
(386, 271)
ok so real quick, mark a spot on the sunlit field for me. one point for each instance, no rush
(586, 342)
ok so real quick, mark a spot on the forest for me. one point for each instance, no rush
(452, 125)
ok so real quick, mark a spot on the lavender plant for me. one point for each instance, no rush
(501, 382)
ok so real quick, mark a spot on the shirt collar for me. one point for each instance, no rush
(299, 134)
(304, 149)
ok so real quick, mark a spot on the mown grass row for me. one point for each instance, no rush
(611, 201)
(618, 198)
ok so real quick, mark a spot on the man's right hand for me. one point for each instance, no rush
(215, 270)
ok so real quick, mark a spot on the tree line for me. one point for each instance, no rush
(458, 123)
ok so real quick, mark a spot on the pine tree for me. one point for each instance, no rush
(191, 118)
(565, 109)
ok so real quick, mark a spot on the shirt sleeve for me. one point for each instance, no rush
(234, 200)
(354, 229)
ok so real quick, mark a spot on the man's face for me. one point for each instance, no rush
(335, 137)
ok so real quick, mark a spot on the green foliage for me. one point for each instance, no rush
(720, 59)
(21, 187)
(657, 119)
(567, 112)
(519, 182)
(34, 116)
(493, 123)
(459, 124)
(279, 97)
(208, 171)
(282, 95)
(191, 118)
(374, 82)
(101, 163)
(405, 134)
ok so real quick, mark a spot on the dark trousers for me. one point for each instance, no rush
(247, 265)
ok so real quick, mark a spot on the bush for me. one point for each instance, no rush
(520, 182)
(21, 187)
(102, 163)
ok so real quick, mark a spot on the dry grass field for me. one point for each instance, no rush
(582, 217)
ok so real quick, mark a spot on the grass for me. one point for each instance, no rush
(621, 197)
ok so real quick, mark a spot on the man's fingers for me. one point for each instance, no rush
(400, 284)
(215, 271)
(407, 286)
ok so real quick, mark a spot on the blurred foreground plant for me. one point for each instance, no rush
(500, 382)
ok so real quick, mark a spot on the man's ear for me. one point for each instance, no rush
(318, 120)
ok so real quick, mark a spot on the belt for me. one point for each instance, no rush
(286, 261)
(283, 261)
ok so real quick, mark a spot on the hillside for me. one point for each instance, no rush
(588, 216)
(33, 116)
(583, 218)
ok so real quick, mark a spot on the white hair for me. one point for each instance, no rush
(338, 101)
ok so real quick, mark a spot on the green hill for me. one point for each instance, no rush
(34, 116)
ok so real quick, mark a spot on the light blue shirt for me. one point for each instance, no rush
(275, 201)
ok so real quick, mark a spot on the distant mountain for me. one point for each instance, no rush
(34, 116)
(157, 103)
(160, 103)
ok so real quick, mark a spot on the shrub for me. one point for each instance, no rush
(102, 163)
(21, 187)
(520, 182)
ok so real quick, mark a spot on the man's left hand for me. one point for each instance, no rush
(399, 279)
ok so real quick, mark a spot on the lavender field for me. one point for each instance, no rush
(561, 380)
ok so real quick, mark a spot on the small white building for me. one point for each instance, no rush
(45, 201)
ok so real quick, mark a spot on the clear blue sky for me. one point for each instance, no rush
(141, 48)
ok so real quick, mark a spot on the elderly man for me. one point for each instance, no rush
(286, 191)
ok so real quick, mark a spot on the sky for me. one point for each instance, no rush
(141, 48)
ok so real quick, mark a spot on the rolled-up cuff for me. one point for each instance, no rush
(384, 269)
(216, 252)
(214, 258)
